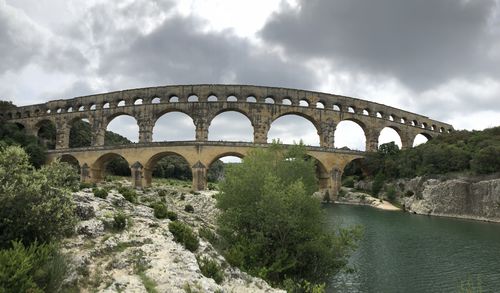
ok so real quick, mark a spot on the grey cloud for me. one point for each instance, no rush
(422, 43)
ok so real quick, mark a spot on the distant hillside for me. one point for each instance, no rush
(475, 152)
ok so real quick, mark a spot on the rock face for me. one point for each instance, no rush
(455, 198)
(107, 260)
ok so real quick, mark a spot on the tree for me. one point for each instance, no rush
(35, 205)
(270, 224)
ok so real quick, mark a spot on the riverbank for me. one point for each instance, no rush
(144, 257)
(349, 196)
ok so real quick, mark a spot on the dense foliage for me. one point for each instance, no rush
(184, 234)
(270, 224)
(11, 134)
(34, 204)
(477, 152)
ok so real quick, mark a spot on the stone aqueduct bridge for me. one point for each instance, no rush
(262, 105)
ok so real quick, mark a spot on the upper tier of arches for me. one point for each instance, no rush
(261, 105)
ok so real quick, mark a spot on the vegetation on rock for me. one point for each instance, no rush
(184, 235)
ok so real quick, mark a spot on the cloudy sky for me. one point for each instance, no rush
(439, 58)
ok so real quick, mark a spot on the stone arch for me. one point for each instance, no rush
(251, 99)
(46, 131)
(193, 98)
(343, 136)
(320, 105)
(269, 100)
(184, 131)
(231, 127)
(421, 138)
(304, 103)
(286, 102)
(152, 162)
(138, 101)
(132, 128)
(98, 168)
(309, 119)
(211, 160)
(80, 132)
(390, 132)
(231, 98)
(212, 98)
(70, 159)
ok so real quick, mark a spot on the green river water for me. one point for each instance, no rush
(401, 252)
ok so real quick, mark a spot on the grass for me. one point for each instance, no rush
(148, 283)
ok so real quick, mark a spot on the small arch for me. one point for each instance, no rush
(366, 112)
(251, 99)
(269, 100)
(441, 129)
(450, 130)
(37, 112)
(292, 128)
(81, 108)
(320, 105)
(231, 125)
(424, 125)
(121, 103)
(173, 99)
(59, 110)
(337, 107)
(379, 114)
(138, 101)
(155, 100)
(350, 134)
(213, 98)
(193, 98)
(69, 110)
(232, 99)
(93, 107)
(286, 102)
(403, 120)
(391, 117)
(304, 103)
(105, 105)
(414, 123)
(433, 127)
(111, 164)
(351, 109)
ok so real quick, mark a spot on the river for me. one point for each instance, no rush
(401, 252)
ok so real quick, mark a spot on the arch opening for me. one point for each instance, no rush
(269, 100)
(336, 107)
(218, 167)
(420, 138)
(293, 128)
(93, 107)
(105, 106)
(155, 100)
(379, 114)
(193, 98)
(47, 133)
(212, 98)
(169, 167)
(80, 133)
(286, 102)
(353, 172)
(366, 112)
(174, 126)
(349, 134)
(173, 99)
(232, 99)
(111, 164)
(230, 126)
(320, 105)
(121, 103)
(71, 160)
(350, 109)
(124, 130)
(138, 101)
(251, 99)
(304, 103)
(388, 135)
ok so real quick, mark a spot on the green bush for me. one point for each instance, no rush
(348, 182)
(378, 183)
(100, 192)
(129, 194)
(162, 193)
(172, 215)
(211, 269)
(33, 205)
(207, 234)
(391, 193)
(160, 210)
(409, 193)
(184, 235)
(84, 185)
(36, 268)
(119, 221)
(189, 208)
(271, 226)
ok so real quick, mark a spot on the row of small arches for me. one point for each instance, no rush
(250, 99)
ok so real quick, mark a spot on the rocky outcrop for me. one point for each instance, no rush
(351, 196)
(107, 260)
(459, 198)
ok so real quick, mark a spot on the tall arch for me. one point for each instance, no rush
(421, 138)
(167, 165)
(350, 134)
(390, 134)
(110, 163)
(67, 158)
(174, 126)
(124, 125)
(292, 128)
(46, 133)
(231, 125)
(80, 133)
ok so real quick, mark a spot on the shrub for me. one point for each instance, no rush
(84, 185)
(160, 210)
(348, 182)
(172, 215)
(100, 192)
(409, 193)
(207, 234)
(182, 197)
(189, 208)
(184, 235)
(211, 269)
(378, 183)
(119, 221)
(34, 206)
(162, 193)
(129, 194)
(391, 193)
(36, 268)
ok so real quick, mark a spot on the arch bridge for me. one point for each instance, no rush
(261, 105)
